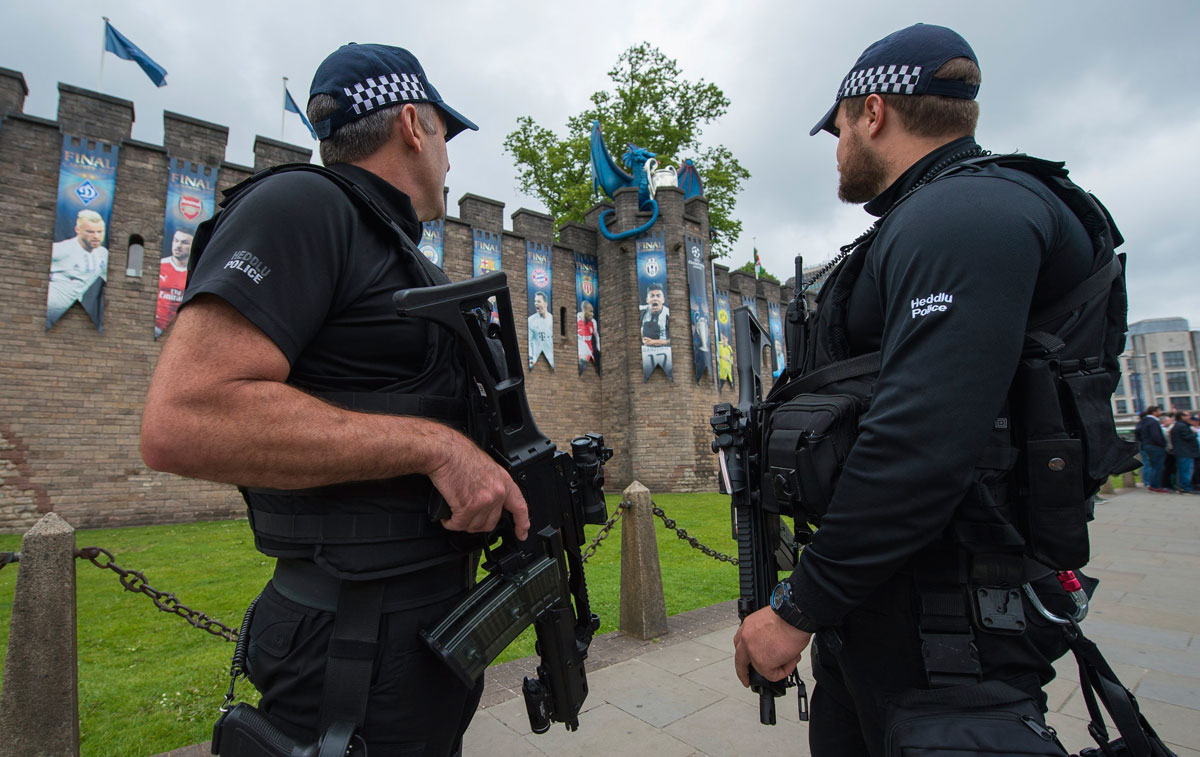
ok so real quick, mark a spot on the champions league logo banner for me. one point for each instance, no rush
(653, 313)
(724, 340)
(587, 310)
(698, 303)
(87, 179)
(486, 260)
(431, 241)
(538, 268)
(191, 200)
(775, 326)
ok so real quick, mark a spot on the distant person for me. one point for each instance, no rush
(1149, 435)
(1185, 450)
(76, 264)
(172, 278)
(1167, 422)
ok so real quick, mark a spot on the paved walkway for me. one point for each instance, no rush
(678, 695)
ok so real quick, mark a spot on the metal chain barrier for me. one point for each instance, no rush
(683, 534)
(605, 529)
(135, 581)
(7, 557)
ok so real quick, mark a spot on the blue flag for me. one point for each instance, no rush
(119, 45)
(290, 105)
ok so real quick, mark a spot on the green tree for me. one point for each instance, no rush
(650, 105)
(748, 267)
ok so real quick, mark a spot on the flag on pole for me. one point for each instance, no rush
(290, 105)
(757, 263)
(119, 45)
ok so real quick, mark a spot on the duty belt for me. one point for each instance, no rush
(305, 583)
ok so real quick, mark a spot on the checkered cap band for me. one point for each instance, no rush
(382, 90)
(894, 79)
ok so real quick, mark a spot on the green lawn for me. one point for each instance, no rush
(149, 682)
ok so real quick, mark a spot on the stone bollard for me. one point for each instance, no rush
(1127, 480)
(643, 609)
(1107, 487)
(39, 706)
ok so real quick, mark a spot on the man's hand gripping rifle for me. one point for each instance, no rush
(765, 545)
(539, 580)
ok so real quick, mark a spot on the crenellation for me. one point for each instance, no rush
(195, 140)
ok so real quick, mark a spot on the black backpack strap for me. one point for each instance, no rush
(350, 663)
(1091, 288)
(854, 367)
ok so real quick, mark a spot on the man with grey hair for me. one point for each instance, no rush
(290, 375)
(76, 264)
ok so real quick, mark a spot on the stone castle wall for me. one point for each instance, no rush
(71, 398)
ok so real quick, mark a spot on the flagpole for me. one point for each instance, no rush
(282, 110)
(103, 46)
(754, 240)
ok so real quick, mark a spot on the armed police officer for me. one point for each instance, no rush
(930, 310)
(289, 374)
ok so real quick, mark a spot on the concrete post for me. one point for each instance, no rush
(1107, 487)
(39, 707)
(643, 609)
(1127, 480)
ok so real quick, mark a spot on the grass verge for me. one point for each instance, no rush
(149, 682)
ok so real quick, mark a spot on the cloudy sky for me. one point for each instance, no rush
(1106, 85)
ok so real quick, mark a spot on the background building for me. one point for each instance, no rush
(1158, 368)
(71, 396)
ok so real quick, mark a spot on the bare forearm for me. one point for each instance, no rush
(269, 434)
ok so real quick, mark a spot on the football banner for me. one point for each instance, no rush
(587, 310)
(751, 302)
(724, 340)
(538, 278)
(191, 200)
(775, 326)
(653, 313)
(431, 241)
(486, 259)
(698, 305)
(87, 179)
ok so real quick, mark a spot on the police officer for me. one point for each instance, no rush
(942, 291)
(289, 374)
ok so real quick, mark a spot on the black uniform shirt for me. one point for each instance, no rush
(944, 294)
(300, 261)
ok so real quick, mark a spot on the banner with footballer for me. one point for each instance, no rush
(486, 259)
(587, 310)
(191, 200)
(538, 277)
(775, 326)
(87, 179)
(724, 340)
(653, 313)
(698, 305)
(431, 241)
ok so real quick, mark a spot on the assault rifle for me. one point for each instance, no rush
(539, 580)
(764, 543)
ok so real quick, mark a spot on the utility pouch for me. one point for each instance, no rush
(806, 444)
(966, 721)
(1088, 395)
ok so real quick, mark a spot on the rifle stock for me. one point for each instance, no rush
(539, 580)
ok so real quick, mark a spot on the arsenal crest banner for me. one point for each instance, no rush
(87, 179)
(698, 303)
(587, 310)
(653, 313)
(775, 326)
(538, 268)
(724, 340)
(191, 200)
(431, 241)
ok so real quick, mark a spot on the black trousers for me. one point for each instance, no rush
(416, 706)
(861, 665)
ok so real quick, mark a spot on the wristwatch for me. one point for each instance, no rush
(784, 607)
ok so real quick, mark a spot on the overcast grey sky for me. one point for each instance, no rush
(1108, 86)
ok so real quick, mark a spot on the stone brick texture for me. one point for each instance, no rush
(71, 398)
